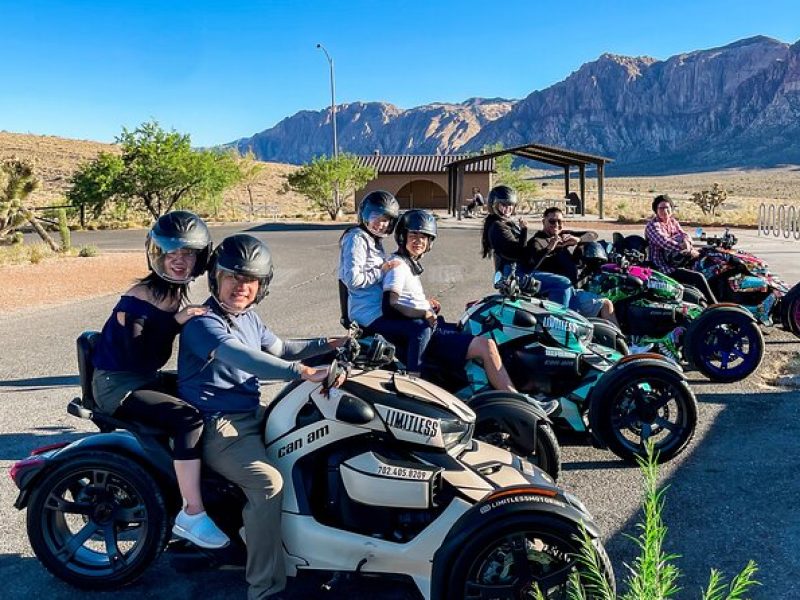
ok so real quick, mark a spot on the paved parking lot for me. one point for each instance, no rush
(733, 495)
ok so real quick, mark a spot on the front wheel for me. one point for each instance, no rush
(97, 521)
(509, 424)
(528, 555)
(724, 345)
(643, 403)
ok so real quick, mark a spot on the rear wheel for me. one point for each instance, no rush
(97, 521)
(635, 405)
(520, 557)
(724, 345)
(790, 310)
(509, 424)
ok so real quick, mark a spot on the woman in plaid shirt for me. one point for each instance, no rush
(666, 236)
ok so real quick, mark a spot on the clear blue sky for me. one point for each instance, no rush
(224, 70)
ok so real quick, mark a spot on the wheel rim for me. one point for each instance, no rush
(730, 350)
(94, 522)
(516, 565)
(651, 409)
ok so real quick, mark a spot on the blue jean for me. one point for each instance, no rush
(409, 336)
(555, 288)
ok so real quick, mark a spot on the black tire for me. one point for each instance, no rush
(724, 344)
(609, 335)
(635, 404)
(694, 295)
(541, 548)
(508, 424)
(97, 521)
(790, 310)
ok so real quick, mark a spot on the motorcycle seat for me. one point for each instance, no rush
(85, 407)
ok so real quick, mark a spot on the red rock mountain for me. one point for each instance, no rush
(738, 105)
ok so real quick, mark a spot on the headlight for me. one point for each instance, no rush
(455, 432)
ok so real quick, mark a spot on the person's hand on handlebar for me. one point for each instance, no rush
(315, 374)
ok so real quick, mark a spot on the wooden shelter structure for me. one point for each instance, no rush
(420, 180)
(551, 155)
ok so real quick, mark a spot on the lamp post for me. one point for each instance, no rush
(333, 100)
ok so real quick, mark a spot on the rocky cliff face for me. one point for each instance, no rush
(738, 105)
(365, 127)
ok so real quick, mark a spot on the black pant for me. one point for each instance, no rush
(180, 420)
(696, 279)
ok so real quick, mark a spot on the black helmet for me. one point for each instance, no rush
(377, 204)
(241, 254)
(595, 252)
(173, 231)
(417, 220)
(501, 194)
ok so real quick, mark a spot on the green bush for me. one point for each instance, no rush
(653, 574)
(88, 251)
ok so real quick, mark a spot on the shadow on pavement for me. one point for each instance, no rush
(261, 227)
(41, 383)
(726, 504)
(16, 446)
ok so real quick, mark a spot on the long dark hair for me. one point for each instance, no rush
(490, 220)
(166, 290)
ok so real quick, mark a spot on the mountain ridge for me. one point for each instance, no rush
(736, 105)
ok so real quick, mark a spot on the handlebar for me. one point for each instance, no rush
(512, 284)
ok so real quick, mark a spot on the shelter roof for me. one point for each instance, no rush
(423, 163)
(552, 155)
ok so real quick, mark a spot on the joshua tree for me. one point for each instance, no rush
(710, 200)
(17, 181)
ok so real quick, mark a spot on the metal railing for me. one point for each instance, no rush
(81, 209)
(778, 221)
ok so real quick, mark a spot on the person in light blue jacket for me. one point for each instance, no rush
(362, 266)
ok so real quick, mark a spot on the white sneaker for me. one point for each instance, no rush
(200, 530)
(634, 349)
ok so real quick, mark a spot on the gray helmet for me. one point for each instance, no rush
(178, 230)
(501, 194)
(417, 220)
(595, 252)
(377, 204)
(241, 254)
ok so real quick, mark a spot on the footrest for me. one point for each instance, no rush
(76, 409)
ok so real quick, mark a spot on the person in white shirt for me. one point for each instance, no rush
(405, 297)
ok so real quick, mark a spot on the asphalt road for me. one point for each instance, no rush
(733, 495)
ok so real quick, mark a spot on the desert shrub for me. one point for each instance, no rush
(710, 200)
(88, 251)
(653, 574)
(38, 252)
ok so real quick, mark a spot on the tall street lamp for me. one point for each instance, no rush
(333, 100)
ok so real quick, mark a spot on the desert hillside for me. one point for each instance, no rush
(56, 158)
